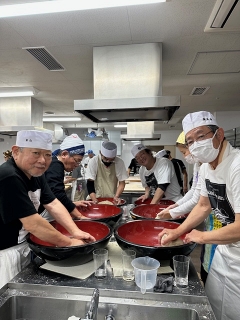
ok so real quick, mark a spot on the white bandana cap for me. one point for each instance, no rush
(73, 144)
(34, 139)
(109, 149)
(137, 148)
(161, 153)
(198, 119)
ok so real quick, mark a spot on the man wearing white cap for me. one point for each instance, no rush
(106, 173)
(23, 188)
(67, 158)
(157, 175)
(220, 189)
(160, 153)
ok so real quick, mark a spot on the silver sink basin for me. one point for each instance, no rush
(39, 308)
(40, 302)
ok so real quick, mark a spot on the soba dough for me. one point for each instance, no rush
(106, 202)
(174, 243)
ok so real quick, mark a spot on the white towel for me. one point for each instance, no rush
(12, 261)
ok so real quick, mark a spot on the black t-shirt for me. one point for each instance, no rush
(19, 197)
(134, 166)
(55, 179)
(179, 166)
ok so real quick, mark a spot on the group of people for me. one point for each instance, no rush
(34, 177)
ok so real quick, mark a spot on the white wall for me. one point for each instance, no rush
(228, 119)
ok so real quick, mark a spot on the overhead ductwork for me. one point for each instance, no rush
(19, 113)
(141, 131)
(24, 113)
(128, 86)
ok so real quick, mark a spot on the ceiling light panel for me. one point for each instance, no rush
(6, 92)
(59, 119)
(65, 6)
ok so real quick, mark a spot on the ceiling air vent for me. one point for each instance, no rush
(199, 91)
(43, 56)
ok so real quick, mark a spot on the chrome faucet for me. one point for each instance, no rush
(93, 308)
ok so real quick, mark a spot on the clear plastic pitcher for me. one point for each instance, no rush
(145, 271)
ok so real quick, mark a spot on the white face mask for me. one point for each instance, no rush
(190, 159)
(204, 150)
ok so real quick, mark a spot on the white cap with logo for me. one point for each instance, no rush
(137, 148)
(73, 144)
(34, 139)
(198, 119)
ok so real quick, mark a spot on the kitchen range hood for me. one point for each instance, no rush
(138, 131)
(19, 113)
(128, 86)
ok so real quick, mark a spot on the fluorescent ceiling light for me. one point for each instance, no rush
(65, 119)
(17, 92)
(223, 13)
(120, 125)
(66, 5)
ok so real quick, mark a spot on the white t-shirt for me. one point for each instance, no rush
(162, 172)
(222, 185)
(92, 169)
(85, 161)
(188, 202)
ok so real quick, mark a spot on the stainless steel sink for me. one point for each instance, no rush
(60, 304)
(33, 308)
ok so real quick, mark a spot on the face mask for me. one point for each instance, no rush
(190, 159)
(107, 164)
(204, 150)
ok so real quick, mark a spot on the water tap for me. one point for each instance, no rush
(93, 308)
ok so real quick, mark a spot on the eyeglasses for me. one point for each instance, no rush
(77, 160)
(140, 156)
(199, 138)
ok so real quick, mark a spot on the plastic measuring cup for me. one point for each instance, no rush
(145, 271)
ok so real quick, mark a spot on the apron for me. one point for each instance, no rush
(106, 181)
(78, 189)
(12, 261)
(223, 282)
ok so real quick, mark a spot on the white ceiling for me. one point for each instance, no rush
(191, 57)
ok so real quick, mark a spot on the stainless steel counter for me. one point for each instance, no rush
(37, 294)
(32, 275)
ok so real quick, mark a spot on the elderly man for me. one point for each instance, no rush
(22, 189)
(220, 189)
(67, 158)
(157, 175)
(106, 173)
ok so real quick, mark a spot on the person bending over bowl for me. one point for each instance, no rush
(23, 188)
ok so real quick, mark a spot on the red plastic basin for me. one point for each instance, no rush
(148, 201)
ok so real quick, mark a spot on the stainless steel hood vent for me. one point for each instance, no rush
(19, 113)
(128, 85)
(131, 109)
(138, 131)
